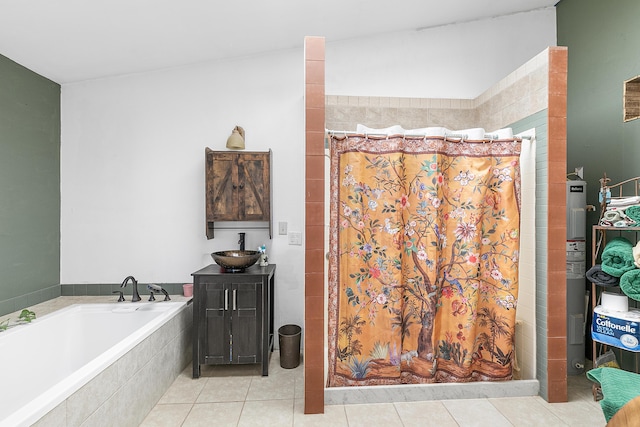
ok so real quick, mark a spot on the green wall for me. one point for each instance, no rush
(29, 187)
(603, 38)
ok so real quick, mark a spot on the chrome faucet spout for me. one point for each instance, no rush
(135, 295)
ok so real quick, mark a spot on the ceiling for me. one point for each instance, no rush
(74, 40)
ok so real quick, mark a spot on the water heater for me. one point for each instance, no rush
(576, 269)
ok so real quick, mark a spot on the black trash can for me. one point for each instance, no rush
(289, 339)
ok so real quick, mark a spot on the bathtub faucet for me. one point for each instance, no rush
(157, 288)
(135, 296)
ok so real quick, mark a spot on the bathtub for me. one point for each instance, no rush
(43, 364)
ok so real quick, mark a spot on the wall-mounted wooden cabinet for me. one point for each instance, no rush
(238, 187)
(631, 99)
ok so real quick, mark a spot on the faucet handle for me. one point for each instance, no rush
(151, 297)
(121, 298)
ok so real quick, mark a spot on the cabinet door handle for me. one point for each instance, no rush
(226, 299)
(234, 299)
(241, 186)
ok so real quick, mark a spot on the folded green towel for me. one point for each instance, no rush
(630, 284)
(618, 387)
(617, 257)
(633, 212)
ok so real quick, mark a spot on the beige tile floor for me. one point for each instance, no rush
(240, 396)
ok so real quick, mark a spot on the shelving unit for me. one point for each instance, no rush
(599, 236)
(598, 241)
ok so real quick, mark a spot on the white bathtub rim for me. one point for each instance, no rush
(43, 403)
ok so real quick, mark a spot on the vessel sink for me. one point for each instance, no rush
(234, 261)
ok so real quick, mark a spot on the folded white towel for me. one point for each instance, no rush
(625, 201)
(636, 254)
(616, 208)
(615, 216)
(611, 216)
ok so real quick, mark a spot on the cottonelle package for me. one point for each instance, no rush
(617, 329)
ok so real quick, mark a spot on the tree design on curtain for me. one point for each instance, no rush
(424, 260)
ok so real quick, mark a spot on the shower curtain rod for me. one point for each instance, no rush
(488, 136)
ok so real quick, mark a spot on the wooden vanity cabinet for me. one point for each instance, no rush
(233, 317)
(238, 187)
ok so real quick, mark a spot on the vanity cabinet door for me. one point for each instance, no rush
(245, 322)
(238, 187)
(216, 333)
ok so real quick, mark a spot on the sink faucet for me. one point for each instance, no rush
(241, 241)
(135, 296)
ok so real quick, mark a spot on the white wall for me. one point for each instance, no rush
(132, 155)
(132, 178)
(454, 61)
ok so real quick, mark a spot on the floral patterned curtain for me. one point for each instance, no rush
(424, 240)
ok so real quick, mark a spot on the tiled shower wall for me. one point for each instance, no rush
(515, 97)
(345, 112)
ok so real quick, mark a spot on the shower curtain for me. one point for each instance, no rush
(423, 277)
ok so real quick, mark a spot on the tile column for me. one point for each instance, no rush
(314, 226)
(557, 227)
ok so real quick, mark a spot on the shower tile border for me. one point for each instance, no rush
(25, 300)
(425, 392)
(101, 289)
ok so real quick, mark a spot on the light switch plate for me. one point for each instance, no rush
(282, 228)
(295, 238)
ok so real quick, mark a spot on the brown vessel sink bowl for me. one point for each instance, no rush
(235, 261)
